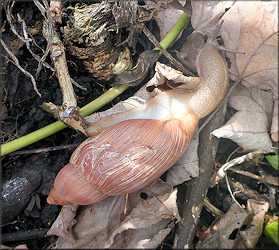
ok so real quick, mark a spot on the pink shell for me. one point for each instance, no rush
(124, 158)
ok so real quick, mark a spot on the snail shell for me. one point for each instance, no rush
(122, 159)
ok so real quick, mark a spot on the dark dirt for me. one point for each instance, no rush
(27, 221)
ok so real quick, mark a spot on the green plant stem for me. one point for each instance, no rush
(175, 31)
(88, 109)
(57, 126)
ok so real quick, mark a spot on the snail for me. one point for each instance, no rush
(130, 150)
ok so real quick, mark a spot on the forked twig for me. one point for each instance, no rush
(222, 171)
(42, 59)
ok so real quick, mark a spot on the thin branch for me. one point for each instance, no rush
(175, 62)
(230, 191)
(48, 149)
(41, 60)
(222, 171)
(9, 18)
(210, 207)
(256, 177)
(14, 58)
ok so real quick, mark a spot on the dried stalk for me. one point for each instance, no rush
(175, 62)
(15, 60)
(68, 111)
(197, 188)
(222, 171)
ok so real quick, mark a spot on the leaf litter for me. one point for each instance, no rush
(121, 222)
(125, 222)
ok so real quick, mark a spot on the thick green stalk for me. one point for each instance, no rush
(175, 31)
(57, 126)
(88, 109)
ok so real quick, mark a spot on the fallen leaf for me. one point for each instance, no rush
(228, 232)
(206, 15)
(64, 223)
(250, 28)
(190, 50)
(146, 221)
(221, 232)
(249, 127)
(274, 125)
(22, 246)
(248, 238)
(187, 167)
(117, 222)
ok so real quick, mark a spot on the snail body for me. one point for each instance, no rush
(134, 148)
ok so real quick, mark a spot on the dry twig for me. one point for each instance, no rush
(41, 60)
(221, 172)
(175, 62)
(48, 149)
(68, 111)
(15, 60)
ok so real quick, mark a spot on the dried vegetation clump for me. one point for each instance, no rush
(99, 34)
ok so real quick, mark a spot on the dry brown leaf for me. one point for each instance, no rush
(187, 167)
(148, 220)
(221, 232)
(206, 14)
(120, 223)
(64, 223)
(251, 27)
(93, 224)
(249, 127)
(248, 238)
(190, 50)
(232, 221)
(246, 27)
(205, 17)
(22, 246)
(274, 126)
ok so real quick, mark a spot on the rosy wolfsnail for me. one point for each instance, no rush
(134, 148)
